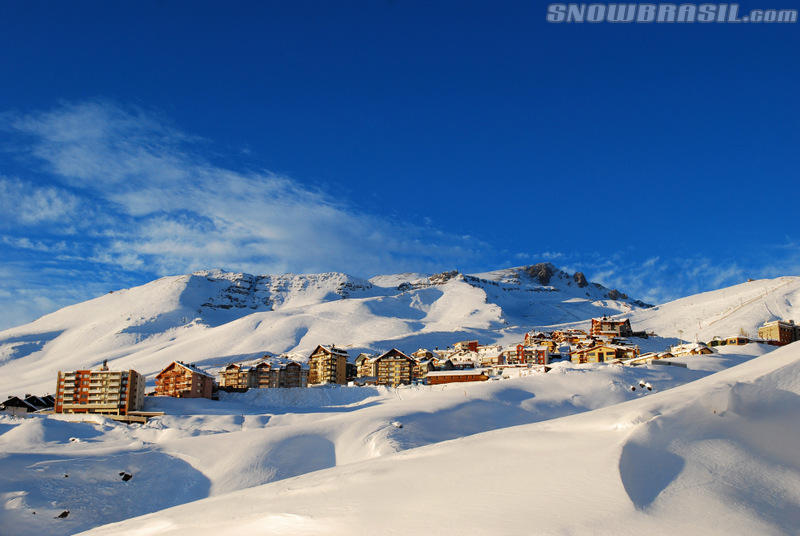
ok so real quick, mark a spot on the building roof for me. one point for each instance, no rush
(773, 322)
(37, 402)
(467, 372)
(331, 349)
(190, 367)
(17, 402)
(603, 345)
(394, 352)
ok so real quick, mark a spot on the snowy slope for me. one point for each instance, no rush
(215, 317)
(725, 312)
(714, 456)
(246, 440)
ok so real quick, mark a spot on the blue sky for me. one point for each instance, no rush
(153, 138)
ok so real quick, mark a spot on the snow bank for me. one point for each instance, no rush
(717, 455)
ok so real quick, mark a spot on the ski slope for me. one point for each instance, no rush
(725, 312)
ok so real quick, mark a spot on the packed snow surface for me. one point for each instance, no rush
(712, 448)
(348, 459)
(717, 455)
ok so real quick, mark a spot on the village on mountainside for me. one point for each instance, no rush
(120, 395)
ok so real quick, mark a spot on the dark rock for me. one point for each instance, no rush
(62, 515)
(442, 278)
(580, 279)
(541, 272)
(614, 294)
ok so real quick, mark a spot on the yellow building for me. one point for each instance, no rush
(327, 364)
(394, 368)
(603, 353)
(238, 377)
(782, 331)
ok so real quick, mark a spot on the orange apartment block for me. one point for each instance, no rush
(108, 392)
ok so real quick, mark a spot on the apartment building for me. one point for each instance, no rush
(111, 392)
(394, 368)
(783, 331)
(183, 380)
(327, 364)
(605, 327)
(235, 376)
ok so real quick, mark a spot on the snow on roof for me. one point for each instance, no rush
(689, 346)
(17, 402)
(193, 368)
(604, 345)
(333, 349)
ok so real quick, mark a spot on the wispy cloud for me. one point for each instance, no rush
(169, 209)
(24, 203)
(121, 192)
(117, 195)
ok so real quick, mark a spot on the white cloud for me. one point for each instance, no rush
(25, 203)
(170, 209)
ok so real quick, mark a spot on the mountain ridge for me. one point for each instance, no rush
(213, 317)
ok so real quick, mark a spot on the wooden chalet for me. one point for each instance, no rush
(570, 336)
(182, 380)
(422, 367)
(737, 341)
(606, 327)
(17, 406)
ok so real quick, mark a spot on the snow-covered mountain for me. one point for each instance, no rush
(709, 449)
(735, 310)
(213, 317)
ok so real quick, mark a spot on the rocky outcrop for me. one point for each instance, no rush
(614, 294)
(542, 272)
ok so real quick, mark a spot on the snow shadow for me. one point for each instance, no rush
(300, 455)
(56, 431)
(91, 488)
(473, 417)
(647, 471)
(25, 345)
(274, 401)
